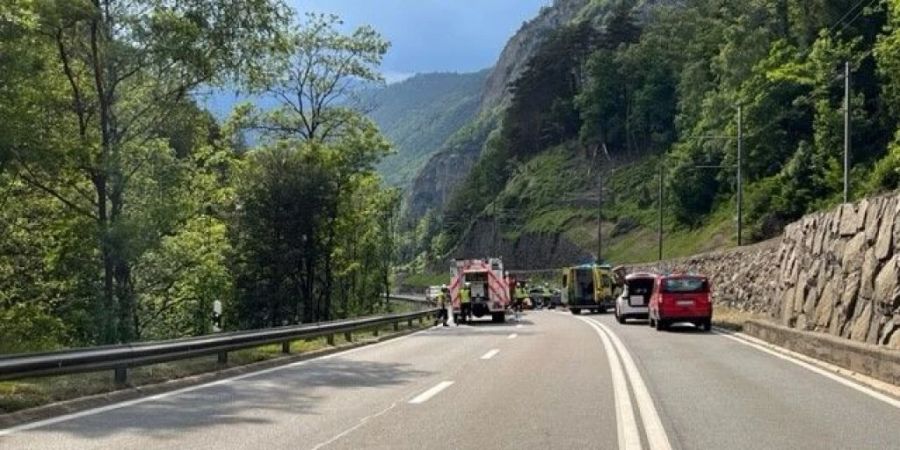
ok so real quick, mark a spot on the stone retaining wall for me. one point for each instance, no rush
(834, 272)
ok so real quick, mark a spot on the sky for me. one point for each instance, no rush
(434, 35)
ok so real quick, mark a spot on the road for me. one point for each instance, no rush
(551, 381)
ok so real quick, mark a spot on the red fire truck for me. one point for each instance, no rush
(488, 284)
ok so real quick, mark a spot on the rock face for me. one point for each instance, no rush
(835, 272)
(433, 185)
(527, 252)
(522, 45)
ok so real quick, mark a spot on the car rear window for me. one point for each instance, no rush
(685, 285)
(640, 286)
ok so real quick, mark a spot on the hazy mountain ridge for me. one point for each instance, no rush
(419, 114)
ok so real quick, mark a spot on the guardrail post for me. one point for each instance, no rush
(421, 320)
(348, 336)
(396, 326)
(286, 347)
(375, 332)
(330, 339)
(121, 376)
(409, 323)
(223, 357)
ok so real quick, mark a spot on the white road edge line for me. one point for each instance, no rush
(425, 396)
(490, 354)
(626, 427)
(656, 434)
(355, 427)
(748, 340)
(519, 326)
(137, 401)
(512, 336)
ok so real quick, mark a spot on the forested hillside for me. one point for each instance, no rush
(418, 115)
(126, 210)
(631, 87)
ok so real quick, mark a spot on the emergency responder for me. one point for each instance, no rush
(442, 299)
(521, 295)
(465, 303)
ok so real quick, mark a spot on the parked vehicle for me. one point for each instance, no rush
(634, 301)
(681, 298)
(488, 284)
(588, 287)
(555, 298)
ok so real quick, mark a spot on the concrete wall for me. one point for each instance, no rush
(876, 362)
(834, 272)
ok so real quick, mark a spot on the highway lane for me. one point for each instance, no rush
(328, 401)
(713, 392)
(553, 381)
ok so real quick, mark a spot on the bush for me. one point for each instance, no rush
(28, 328)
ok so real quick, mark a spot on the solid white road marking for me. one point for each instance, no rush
(355, 427)
(137, 401)
(656, 434)
(761, 346)
(512, 336)
(490, 354)
(519, 326)
(626, 426)
(425, 396)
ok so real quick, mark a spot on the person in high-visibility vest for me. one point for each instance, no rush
(521, 295)
(465, 303)
(442, 304)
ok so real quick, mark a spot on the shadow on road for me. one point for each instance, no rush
(294, 391)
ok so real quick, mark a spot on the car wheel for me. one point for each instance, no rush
(576, 311)
(619, 317)
(707, 325)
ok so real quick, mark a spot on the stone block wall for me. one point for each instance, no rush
(835, 272)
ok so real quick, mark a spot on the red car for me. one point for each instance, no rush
(681, 298)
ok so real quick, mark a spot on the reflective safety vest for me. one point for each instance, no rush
(442, 299)
(521, 294)
(464, 295)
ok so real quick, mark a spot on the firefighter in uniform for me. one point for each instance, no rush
(465, 303)
(442, 304)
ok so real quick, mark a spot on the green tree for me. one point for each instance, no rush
(108, 76)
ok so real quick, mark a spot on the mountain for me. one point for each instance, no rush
(419, 114)
(593, 102)
(448, 167)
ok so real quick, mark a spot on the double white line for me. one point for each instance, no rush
(627, 429)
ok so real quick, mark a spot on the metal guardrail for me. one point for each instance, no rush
(412, 299)
(122, 357)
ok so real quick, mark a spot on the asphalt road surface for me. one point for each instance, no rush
(551, 381)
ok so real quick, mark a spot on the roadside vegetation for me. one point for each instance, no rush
(126, 209)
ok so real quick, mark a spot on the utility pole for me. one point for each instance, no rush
(740, 180)
(846, 131)
(494, 230)
(599, 217)
(659, 225)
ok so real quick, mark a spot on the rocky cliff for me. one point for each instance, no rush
(529, 251)
(522, 45)
(836, 272)
(447, 168)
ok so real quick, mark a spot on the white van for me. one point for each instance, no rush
(635, 299)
